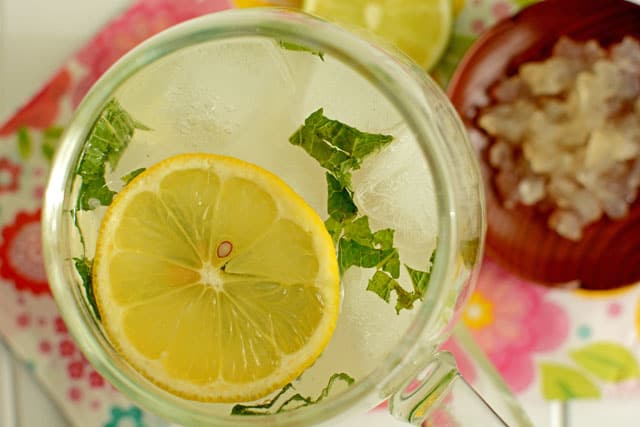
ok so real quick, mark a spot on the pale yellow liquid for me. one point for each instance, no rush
(244, 99)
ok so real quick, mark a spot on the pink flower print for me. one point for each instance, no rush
(67, 348)
(45, 347)
(23, 320)
(143, 20)
(21, 254)
(9, 175)
(512, 320)
(75, 369)
(95, 380)
(60, 327)
(75, 394)
(42, 111)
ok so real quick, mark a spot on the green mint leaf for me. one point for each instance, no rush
(83, 267)
(261, 408)
(338, 147)
(404, 299)
(297, 47)
(265, 408)
(25, 142)
(334, 227)
(392, 263)
(126, 179)
(340, 202)
(469, 249)
(382, 284)
(384, 238)
(106, 142)
(352, 253)
(420, 279)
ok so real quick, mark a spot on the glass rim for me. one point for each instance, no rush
(372, 63)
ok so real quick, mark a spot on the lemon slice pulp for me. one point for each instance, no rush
(419, 28)
(214, 279)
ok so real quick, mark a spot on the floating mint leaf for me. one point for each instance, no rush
(297, 47)
(126, 179)
(338, 147)
(106, 142)
(469, 250)
(334, 227)
(83, 267)
(382, 284)
(265, 408)
(340, 203)
(352, 253)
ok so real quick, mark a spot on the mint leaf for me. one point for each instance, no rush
(404, 299)
(334, 227)
(352, 253)
(420, 279)
(265, 408)
(392, 263)
(382, 284)
(106, 142)
(24, 142)
(126, 179)
(469, 250)
(83, 267)
(338, 147)
(384, 238)
(340, 202)
(297, 47)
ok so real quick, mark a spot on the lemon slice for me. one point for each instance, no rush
(214, 279)
(419, 28)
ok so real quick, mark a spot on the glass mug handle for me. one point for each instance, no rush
(440, 397)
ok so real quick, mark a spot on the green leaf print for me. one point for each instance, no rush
(25, 142)
(456, 49)
(521, 4)
(561, 382)
(608, 361)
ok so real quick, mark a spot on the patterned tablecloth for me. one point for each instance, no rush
(548, 344)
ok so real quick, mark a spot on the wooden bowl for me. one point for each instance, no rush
(608, 255)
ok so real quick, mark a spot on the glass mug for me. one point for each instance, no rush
(246, 62)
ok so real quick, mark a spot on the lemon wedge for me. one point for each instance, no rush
(419, 28)
(214, 279)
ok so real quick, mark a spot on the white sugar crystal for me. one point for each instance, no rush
(501, 155)
(627, 55)
(508, 121)
(510, 90)
(531, 190)
(566, 224)
(576, 126)
(550, 77)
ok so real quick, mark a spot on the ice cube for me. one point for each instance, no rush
(395, 189)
